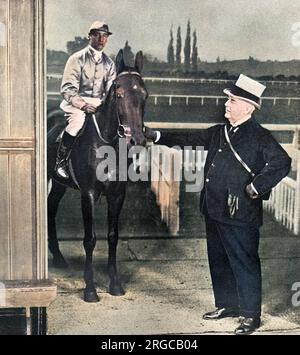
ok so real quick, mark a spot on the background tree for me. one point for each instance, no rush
(171, 59)
(195, 53)
(178, 49)
(187, 49)
(76, 45)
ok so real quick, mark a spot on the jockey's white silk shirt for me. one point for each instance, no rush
(87, 74)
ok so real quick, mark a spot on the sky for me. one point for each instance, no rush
(235, 29)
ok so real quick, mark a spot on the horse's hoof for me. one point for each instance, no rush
(60, 263)
(91, 296)
(116, 291)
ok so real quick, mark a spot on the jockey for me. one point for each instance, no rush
(86, 81)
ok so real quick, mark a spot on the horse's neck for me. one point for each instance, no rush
(108, 120)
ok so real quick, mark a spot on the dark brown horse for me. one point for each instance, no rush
(121, 115)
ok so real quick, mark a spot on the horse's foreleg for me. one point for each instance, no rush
(88, 199)
(56, 194)
(115, 203)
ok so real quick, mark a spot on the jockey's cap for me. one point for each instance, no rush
(100, 26)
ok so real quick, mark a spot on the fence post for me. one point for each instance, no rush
(297, 198)
(296, 140)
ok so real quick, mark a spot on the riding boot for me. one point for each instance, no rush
(63, 154)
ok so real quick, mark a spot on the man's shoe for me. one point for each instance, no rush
(221, 313)
(248, 326)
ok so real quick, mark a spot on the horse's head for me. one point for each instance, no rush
(131, 96)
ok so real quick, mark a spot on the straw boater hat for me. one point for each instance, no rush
(248, 90)
(100, 26)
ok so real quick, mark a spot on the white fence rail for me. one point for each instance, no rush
(284, 203)
(54, 95)
(203, 98)
(197, 80)
(217, 81)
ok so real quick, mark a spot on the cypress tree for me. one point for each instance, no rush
(195, 53)
(171, 59)
(187, 48)
(178, 49)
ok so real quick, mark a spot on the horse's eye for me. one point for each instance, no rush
(120, 93)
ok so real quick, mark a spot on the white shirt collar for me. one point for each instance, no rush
(97, 54)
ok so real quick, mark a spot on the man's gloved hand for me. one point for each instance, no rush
(251, 193)
(88, 108)
(152, 135)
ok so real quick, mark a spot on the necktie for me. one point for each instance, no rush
(230, 130)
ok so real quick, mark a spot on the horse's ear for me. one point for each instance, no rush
(120, 61)
(139, 61)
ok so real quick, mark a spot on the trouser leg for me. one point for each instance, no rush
(75, 122)
(223, 280)
(241, 244)
(75, 118)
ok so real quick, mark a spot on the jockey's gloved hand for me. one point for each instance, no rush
(88, 108)
(152, 135)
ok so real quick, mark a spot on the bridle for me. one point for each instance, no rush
(123, 131)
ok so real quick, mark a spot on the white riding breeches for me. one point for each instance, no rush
(75, 116)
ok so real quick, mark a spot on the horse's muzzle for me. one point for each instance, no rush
(132, 137)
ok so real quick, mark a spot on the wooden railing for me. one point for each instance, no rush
(284, 203)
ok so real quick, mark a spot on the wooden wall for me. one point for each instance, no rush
(22, 163)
